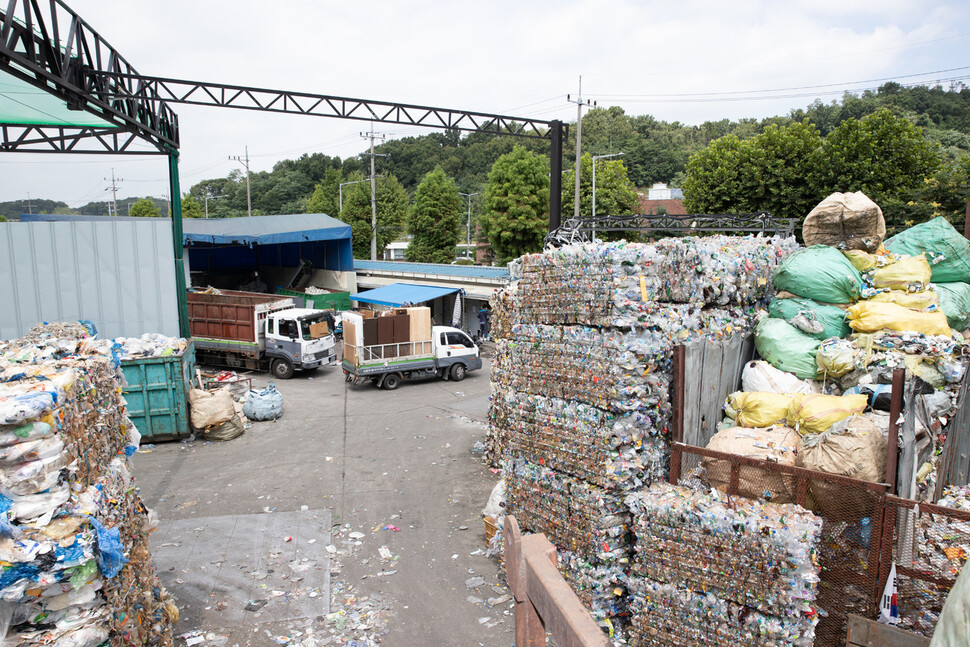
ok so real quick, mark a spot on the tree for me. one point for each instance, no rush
(770, 172)
(433, 220)
(326, 194)
(615, 194)
(884, 156)
(144, 208)
(191, 207)
(392, 210)
(516, 210)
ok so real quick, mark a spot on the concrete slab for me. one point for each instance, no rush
(228, 570)
(372, 458)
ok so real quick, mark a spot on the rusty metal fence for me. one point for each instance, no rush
(865, 531)
(928, 544)
(852, 511)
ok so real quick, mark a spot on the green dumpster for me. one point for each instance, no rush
(326, 301)
(156, 394)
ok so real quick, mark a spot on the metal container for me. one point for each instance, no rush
(156, 394)
(328, 301)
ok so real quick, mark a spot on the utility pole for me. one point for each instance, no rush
(373, 191)
(114, 193)
(28, 203)
(245, 162)
(579, 137)
(468, 223)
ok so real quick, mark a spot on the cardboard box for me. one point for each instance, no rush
(350, 335)
(319, 329)
(367, 314)
(420, 323)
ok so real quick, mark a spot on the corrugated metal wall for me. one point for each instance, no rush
(118, 274)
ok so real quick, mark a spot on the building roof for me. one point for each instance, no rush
(264, 230)
(439, 269)
(399, 294)
(249, 231)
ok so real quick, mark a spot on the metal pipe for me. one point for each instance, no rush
(178, 243)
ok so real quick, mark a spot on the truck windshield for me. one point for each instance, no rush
(316, 327)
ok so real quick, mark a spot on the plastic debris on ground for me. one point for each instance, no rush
(75, 567)
(753, 580)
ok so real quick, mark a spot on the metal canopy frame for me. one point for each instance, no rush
(47, 45)
(584, 229)
(201, 93)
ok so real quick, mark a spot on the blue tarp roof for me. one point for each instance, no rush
(398, 294)
(476, 271)
(264, 230)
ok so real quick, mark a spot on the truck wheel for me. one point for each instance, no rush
(458, 372)
(283, 369)
(392, 381)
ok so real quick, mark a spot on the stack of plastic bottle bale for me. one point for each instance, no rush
(75, 567)
(751, 578)
(581, 384)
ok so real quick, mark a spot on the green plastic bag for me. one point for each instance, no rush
(830, 318)
(955, 303)
(946, 249)
(820, 273)
(786, 348)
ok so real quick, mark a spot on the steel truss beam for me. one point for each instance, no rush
(30, 138)
(47, 45)
(201, 93)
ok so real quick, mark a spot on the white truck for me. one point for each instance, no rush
(425, 352)
(259, 332)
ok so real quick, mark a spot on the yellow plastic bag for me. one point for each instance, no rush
(910, 273)
(815, 413)
(912, 300)
(862, 261)
(867, 316)
(754, 409)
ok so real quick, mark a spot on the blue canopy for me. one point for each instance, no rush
(398, 294)
(264, 230)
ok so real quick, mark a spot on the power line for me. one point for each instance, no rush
(789, 89)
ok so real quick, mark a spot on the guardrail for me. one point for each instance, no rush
(543, 600)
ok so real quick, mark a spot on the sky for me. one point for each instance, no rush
(689, 61)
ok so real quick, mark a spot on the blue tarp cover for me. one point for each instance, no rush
(264, 230)
(397, 294)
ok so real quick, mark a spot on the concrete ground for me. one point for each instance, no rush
(243, 542)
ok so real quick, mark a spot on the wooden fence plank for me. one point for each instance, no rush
(869, 633)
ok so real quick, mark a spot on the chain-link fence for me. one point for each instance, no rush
(852, 512)
(929, 544)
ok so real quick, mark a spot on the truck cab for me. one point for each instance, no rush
(298, 339)
(455, 352)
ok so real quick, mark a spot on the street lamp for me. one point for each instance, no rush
(598, 157)
(208, 197)
(468, 223)
(340, 193)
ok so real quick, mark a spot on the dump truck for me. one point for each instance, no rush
(259, 332)
(396, 345)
